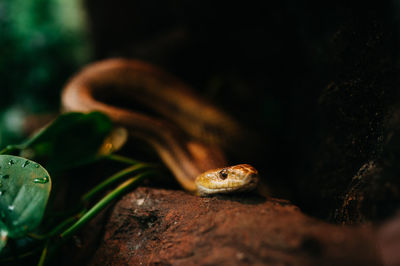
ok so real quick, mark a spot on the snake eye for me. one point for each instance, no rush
(223, 174)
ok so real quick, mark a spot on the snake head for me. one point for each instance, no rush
(237, 178)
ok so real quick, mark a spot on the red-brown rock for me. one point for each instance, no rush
(165, 227)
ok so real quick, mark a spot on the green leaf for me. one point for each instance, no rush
(70, 140)
(24, 190)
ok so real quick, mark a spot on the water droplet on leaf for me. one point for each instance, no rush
(41, 180)
(11, 207)
(11, 162)
(25, 163)
(4, 176)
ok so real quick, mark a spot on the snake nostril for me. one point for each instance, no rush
(223, 174)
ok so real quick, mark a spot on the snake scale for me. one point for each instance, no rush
(187, 132)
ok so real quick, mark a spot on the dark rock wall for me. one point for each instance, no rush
(355, 109)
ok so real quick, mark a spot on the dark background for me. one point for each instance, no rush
(315, 81)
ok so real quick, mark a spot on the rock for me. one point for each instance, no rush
(374, 191)
(353, 114)
(167, 227)
(389, 241)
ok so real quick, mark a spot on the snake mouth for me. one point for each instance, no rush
(250, 183)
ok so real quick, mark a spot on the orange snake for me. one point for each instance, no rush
(187, 137)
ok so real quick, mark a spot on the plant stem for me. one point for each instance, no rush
(104, 202)
(44, 254)
(10, 148)
(56, 230)
(127, 171)
(121, 159)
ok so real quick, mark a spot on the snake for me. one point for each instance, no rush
(187, 131)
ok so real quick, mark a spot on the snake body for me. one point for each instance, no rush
(188, 133)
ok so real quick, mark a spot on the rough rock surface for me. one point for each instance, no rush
(167, 227)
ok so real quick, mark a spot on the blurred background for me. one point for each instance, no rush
(41, 44)
(314, 81)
